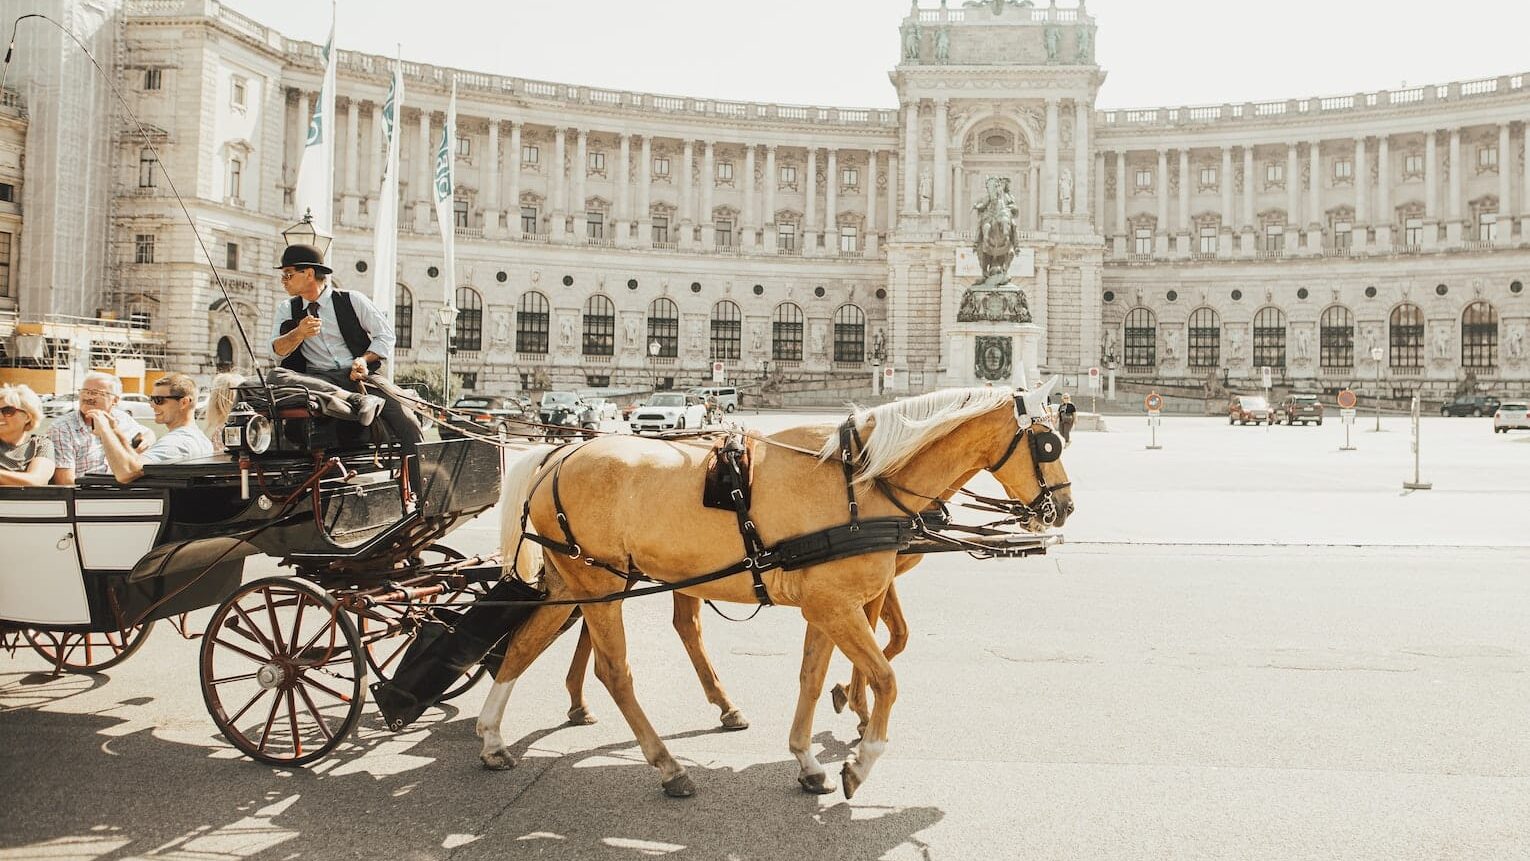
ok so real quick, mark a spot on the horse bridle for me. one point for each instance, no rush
(1045, 447)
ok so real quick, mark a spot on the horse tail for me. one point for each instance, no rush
(522, 558)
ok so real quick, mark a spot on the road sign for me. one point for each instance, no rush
(1153, 402)
(1347, 401)
(1264, 376)
(1094, 373)
(1094, 381)
(889, 374)
(717, 372)
(1347, 416)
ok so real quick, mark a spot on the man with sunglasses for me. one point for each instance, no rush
(76, 449)
(174, 399)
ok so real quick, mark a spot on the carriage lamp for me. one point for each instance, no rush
(248, 430)
(304, 233)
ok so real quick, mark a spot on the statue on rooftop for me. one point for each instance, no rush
(1053, 38)
(1083, 44)
(943, 45)
(911, 38)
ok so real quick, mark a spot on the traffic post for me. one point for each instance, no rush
(1154, 404)
(1347, 416)
(1417, 483)
(717, 372)
(1094, 388)
(1264, 381)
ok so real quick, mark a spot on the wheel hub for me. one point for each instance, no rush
(270, 676)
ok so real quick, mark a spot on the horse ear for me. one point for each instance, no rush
(1036, 399)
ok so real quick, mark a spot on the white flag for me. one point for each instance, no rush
(445, 199)
(385, 238)
(315, 191)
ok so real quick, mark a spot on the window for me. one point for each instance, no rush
(849, 334)
(467, 381)
(531, 324)
(530, 154)
(459, 213)
(849, 242)
(786, 333)
(1487, 226)
(151, 79)
(597, 381)
(1274, 173)
(235, 178)
(1336, 338)
(1141, 341)
(1405, 336)
(1413, 231)
(661, 228)
(664, 327)
(528, 219)
(1208, 177)
(660, 166)
(595, 225)
(597, 161)
(1143, 240)
(1479, 336)
(1144, 177)
(1208, 239)
(725, 171)
(1270, 338)
(1413, 165)
(1343, 233)
(5, 264)
(469, 335)
(723, 237)
(727, 331)
(599, 326)
(1487, 157)
(236, 95)
(403, 318)
(786, 236)
(146, 163)
(464, 146)
(788, 174)
(231, 256)
(1205, 339)
(143, 251)
(7, 192)
(1274, 238)
(850, 177)
(1343, 169)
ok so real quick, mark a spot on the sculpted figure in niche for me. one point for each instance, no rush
(1234, 342)
(1441, 343)
(1065, 191)
(566, 332)
(1303, 343)
(1515, 345)
(1053, 38)
(757, 339)
(501, 327)
(818, 338)
(942, 45)
(926, 190)
(631, 325)
(1171, 345)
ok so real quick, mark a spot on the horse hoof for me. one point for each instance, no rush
(680, 786)
(839, 697)
(734, 720)
(580, 716)
(817, 784)
(497, 760)
(850, 780)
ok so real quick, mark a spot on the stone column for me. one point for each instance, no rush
(1184, 203)
(910, 158)
(687, 195)
(958, 195)
(1248, 232)
(491, 206)
(378, 162)
(1362, 193)
(1049, 176)
(1453, 188)
(941, 189)
(1033, 199)
(1524, 192)
(513, 167)
(424, 169)
(1431, 189)
(1384, 215)
(557, 200)
(708, 183)
(644, 215)
(749, 219)
(1293, 197)
(892, 191)
(581, 170)
(1229, 217)
(831, 202)
(870, 242)
(1161, 237)
(1314, 197)
(1081, 115)
(1099, 193)
(621, 220)
(772, 179)
(1123, 230)
(1505, 185)
(350, 201)
(810, 228)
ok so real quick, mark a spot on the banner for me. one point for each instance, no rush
(445, 214)
(315, 192)
(385, 237)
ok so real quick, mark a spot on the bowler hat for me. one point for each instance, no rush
(305, 256)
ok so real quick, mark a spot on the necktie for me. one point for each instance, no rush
(313, 309)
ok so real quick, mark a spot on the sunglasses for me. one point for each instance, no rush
(95, 395)
(9, 411)
(159, 399)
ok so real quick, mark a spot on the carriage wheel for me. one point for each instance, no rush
(88, 653)
(283, 672)
(384, 652)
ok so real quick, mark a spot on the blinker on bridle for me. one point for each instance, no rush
(1045, 447)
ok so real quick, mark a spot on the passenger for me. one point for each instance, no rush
(220, 402)
(175, 399)
(26, 457)
(76, 450)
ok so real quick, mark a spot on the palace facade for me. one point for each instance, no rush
(607, 237)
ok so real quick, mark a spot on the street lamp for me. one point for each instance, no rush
(304, 233)
(447, 315)
(1376, 356)
(653, 353)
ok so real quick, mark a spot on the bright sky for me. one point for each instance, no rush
(838, 52)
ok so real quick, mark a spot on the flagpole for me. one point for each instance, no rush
(385, 226)
(446, 218)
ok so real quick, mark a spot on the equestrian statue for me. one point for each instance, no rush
(994, 298)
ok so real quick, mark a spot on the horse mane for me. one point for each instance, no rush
(904, 428)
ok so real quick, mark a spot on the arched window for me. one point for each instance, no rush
(403, 318)
(1336, 338)
(1270, 338)
(849, 334)
(469, 320)
(1479, 336)
(531, 324)
(727, 331)
(599, 326)
(1141, 341)
(786, 333)
(224, 353)
(1205, 339)
(664, 327)
(1405, 336)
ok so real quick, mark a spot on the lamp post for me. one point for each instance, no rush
(447, 314)
(304, 233)
(653, 353)
(1376, 356)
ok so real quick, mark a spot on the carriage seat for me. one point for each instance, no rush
(301, 422)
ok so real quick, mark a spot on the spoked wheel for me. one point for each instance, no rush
(88, 653)
(283, 671)
(384, 652)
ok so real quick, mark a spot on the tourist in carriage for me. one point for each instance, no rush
(174, 399)
(76, 450)
(26, 457)
(220, 402)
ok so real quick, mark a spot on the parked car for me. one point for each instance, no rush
(568, 401)
(1299, 408)
(727, 396)
(1470, 405)
(60, 404)
(1511, 416)
(603, 409)
(669, 411)
(1249, 408)
(489, 414)
(137, 406)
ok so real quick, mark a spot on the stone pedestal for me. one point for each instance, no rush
(1004, 354)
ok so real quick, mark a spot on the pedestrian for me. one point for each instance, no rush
(1067, 414)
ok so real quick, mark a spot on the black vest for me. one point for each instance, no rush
(356, 338)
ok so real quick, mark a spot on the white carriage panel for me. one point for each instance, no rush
(40, 582)
(116, 546)
(34, 508)
(140, 507)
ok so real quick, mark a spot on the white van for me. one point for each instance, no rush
(727, 396)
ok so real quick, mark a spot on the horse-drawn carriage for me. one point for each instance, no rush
(284, 660)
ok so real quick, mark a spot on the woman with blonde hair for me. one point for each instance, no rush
(220, 400)
(26, 456)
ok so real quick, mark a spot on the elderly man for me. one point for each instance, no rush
(175, 399)
(76, 450)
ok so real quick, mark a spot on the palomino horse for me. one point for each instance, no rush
(605, 493)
